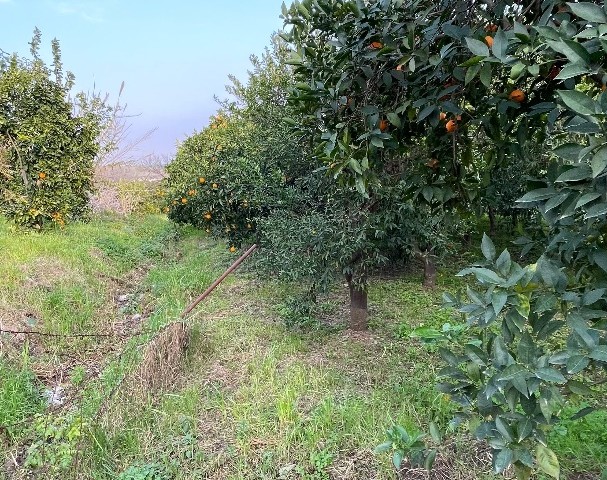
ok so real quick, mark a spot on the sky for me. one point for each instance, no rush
(173, 57)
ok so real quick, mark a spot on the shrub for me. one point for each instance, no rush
(47, 150)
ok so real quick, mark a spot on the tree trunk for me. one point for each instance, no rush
(359, 312)
(429, 271)
(491, 221)
(514, 217)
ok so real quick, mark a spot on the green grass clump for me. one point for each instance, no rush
(20, 396)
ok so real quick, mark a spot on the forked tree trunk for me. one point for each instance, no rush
(429, 271)
(359, 313)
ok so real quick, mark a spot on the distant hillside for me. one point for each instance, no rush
(130, 172)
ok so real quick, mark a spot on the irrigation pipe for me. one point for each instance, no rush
(214, 285)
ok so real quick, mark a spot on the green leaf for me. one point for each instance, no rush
(476, 355)
(501, 356)
(397, 458)
(294, 59)
(378, 142)
(600, 258)
(596, 210)
(471, 73)
(504, 262)
(580, 172)
(384, 447)
(556, 201)
(354, 165)
(517, 70)
(488, 248)
(303, 11)
(579, 388)
(502, 460)
(547, 461)
(537, 195)
(524, 428)
(588, 11)
(435, 432)
(498, 300)
(513, 371)
(574, 51)
(360, 185)
(473, 61)
(485, 74)
(572, 70)
(593, 296)
(599, 161)
(483, 275)
(569, 151)
(526, 350)
(579, 102)
(577, 363)
(430, 457)
(426, 112)
(587, 198)
(394, 119)
(599, 353)
(477, 47)
(545, 407)
(500, 44)
(504, 429)
(550, 375)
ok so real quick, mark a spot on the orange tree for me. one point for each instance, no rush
(381, 93)
(228, 176)
(48, 151)
(516, 75)
(541, 328)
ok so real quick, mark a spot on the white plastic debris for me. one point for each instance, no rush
(55, 396)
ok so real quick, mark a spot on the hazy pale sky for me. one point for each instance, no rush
(173, 56)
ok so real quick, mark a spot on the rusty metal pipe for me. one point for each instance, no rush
(214, 285)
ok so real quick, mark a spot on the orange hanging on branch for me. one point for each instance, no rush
(451, 126)
(517, 96)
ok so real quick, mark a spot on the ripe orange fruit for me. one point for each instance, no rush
(191, 193)
(42, 175)
(232, 249)
(489, 41)
(517, 96)
(207, 216)
(184, 200)
(442, 116)
(215, 185)
(377, 45)
(491, 28)
(451, 126)
(202, 180)
(383, 125)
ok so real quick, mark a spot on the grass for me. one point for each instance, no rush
(254, 399)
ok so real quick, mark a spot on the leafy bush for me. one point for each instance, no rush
(56, 442)
(47, 150)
